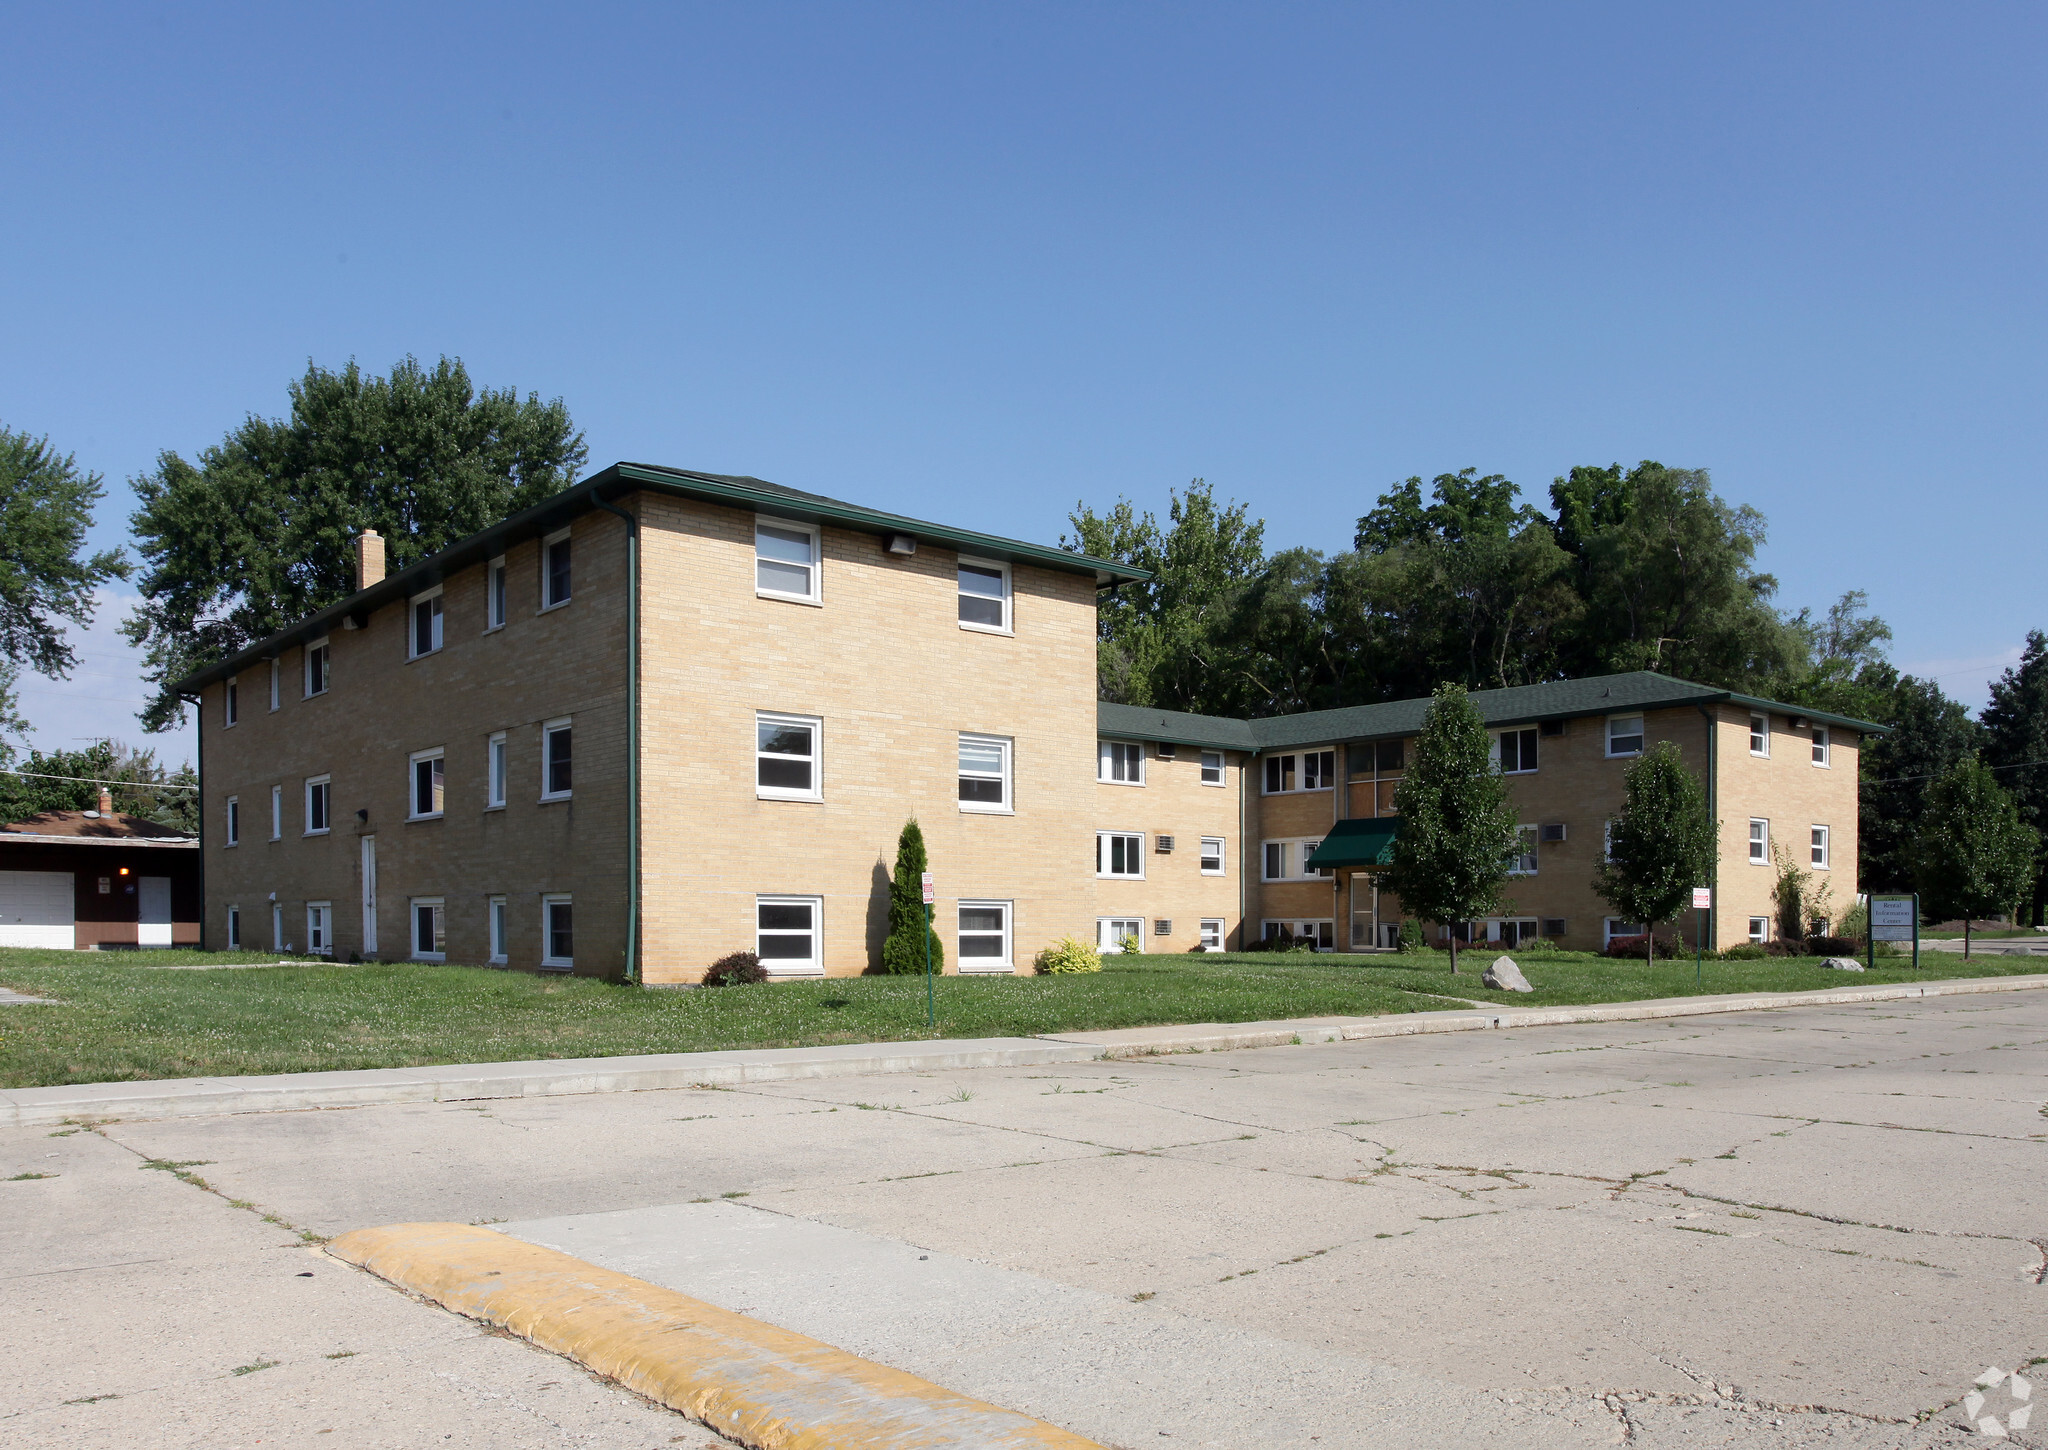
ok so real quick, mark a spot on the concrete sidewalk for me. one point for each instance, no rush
(465, 1082)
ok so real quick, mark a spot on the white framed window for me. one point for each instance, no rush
(786, 561)
(429, 929)
(1212, 855)
(494, 917)
(1110, 932)
(983, 944)
(557, 778)
(1624, 735)
(1760, 736)
(985, 773)
(788, 934)
(1120, 855)
(1820, 746)
(320, 928)
(1515, 751)
(1120, 762)
(318, 799)
(1212, 934)
(558, 933)
(277, 942)
(1759, 929)
(230, 702)
(555, 578)
(788, 757)
(234, 928)
(277, 813)
(1321, 934)
(1759, 842)
(1302, 771)
(1820, 847)
(985, 596)
(1613, 926)
(234, 820)
(494, 594)
(1523, 861)
(318, 663)
(424, 637)
(1212, 767)
(276, 684)
(1287, 860)
(429, 784)
(496, 774)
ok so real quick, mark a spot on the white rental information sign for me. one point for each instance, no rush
(1891, 918)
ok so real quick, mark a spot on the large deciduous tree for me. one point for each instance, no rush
(257, 534)
(47, 580)
(2016, 746)
(1929, 735)
(1975, 856)
(1660, 845)
(1451, 855)
(1167, 642)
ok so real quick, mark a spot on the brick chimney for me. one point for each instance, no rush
(106, 801)
(369, 558)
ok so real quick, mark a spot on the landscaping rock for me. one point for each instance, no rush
(1505, 976)
(1843, 964)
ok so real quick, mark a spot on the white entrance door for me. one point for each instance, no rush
(37, 909)
(153, 925)
(369, 895)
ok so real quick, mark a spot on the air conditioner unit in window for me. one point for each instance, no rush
(1554, 831)
(1552, 727)
(1164, 750)
(1165, 845)
(1162, 927)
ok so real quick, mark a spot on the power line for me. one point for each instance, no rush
(90, 780)
(1903, 779)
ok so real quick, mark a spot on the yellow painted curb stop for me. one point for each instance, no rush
(760, 1385)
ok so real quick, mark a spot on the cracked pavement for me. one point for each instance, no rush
(1803, 1227)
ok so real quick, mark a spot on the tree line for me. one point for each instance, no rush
(1459, 581)
(1641, 568)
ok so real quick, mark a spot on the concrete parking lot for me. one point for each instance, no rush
(1802, 1227)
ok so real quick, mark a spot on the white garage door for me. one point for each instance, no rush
(36, 909)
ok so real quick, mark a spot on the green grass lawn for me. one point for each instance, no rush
(119, 1017)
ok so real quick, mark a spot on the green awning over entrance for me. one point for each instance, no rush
(1358, 843)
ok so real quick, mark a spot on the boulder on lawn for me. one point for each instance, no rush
(1843, 964)
(1505, 976)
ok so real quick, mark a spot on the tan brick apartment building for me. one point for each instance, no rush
(1775, 775)
(669, 715)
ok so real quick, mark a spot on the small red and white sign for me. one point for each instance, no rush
(1702, 898)
(931, 891)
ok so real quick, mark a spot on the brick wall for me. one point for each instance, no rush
(1174, 802)
(883, 661)
(381, 707)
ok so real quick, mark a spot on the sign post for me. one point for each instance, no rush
(931, 894)
(1702, 902)
(1895, 918)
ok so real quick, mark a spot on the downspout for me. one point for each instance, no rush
(1714, 812)
(632, 736)
(199, 719)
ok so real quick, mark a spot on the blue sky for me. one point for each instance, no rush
(980, 262)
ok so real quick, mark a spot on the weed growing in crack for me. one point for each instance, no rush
(259, 1364)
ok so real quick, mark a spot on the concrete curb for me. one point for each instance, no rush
(762, 1386)
(286, 1092)
(283, 1092)
(1226, 1037)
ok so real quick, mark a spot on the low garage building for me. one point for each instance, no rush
(92, 879)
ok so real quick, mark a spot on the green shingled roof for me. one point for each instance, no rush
(1524, 704)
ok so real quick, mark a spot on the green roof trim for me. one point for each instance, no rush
(1521, 705)
(1357, 842)
(615, 482)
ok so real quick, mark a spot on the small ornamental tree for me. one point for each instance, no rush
(1975, 856)
(1661, 845)
(1457, 833)
(903, 953)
